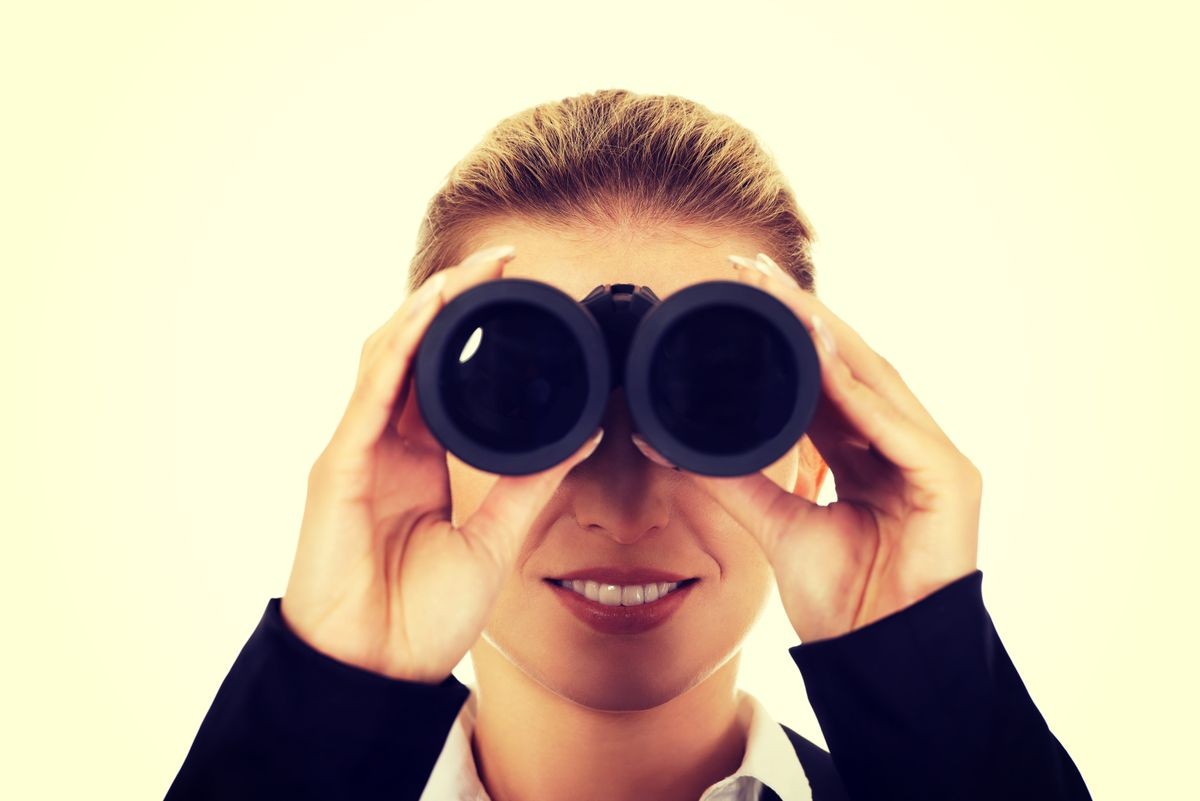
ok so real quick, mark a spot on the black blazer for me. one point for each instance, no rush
(922, 704)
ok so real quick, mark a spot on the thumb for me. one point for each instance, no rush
(761, 506)
(763, 509)
(498, 527)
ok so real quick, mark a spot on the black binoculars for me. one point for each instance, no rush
(513, 375)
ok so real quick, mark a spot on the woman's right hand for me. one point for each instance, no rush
(382, 579)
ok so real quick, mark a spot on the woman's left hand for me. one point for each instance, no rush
(906, 521)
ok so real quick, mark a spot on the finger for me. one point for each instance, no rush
(759, 505)
(499, 526)
(846, 452)
(891, 432)
(752, 500)
(866, 364)
(835, 438)
(388, 355)
(861, 472)
(479, 268)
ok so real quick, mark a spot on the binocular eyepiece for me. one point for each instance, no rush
(513, 375)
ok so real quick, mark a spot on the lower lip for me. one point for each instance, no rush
(622, 619)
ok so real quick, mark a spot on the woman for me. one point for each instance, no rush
(409, 558)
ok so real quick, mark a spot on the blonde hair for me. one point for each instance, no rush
(614, 158)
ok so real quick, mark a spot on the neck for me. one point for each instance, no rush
(530, 743)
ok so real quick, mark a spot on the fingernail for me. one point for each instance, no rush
(771, 265)
(490, 254)
(825, 335)
(742, 261)
(650, 453)
(426, 293)
(590, 448)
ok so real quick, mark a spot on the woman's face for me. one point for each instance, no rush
(619, 508)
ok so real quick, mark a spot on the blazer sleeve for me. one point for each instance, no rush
(926, 704)
(291, 722)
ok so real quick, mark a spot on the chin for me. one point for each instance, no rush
(597, 679)
(604, 672)
(618, 688)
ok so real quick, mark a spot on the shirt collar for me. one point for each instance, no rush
(769, 759)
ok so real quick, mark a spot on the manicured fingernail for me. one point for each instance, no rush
(771, 265)
(650, 453)
(742, 261)
(595, 443)
(489, 255)
(591, 446)
(825, 335)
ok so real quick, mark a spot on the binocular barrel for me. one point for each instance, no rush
(513, 375)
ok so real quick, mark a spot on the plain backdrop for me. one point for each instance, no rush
(207, 207)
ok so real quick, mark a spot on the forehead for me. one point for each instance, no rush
(578, 260)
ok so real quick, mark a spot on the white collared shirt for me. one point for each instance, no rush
(769, 759)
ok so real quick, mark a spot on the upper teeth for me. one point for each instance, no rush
(619, 594)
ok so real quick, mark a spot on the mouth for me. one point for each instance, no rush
(625, 594)
(622, 609)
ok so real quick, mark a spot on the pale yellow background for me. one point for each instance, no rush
(207, 207)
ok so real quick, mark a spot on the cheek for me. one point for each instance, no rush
(746, 574)
(752, 575)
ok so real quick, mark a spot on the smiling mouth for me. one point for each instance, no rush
(607, 594)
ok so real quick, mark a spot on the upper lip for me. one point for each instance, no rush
(623, 575)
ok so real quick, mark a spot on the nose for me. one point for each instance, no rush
(617, 492)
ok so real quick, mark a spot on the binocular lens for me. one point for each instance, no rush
(512, 377)
(723, 381)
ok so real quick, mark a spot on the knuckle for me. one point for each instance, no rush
(971, 475)
(888, 367)
(851, 386)
(393, 342)
(367, 360)
(318, 471)
(369, 383)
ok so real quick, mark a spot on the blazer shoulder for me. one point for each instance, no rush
(818, 766)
